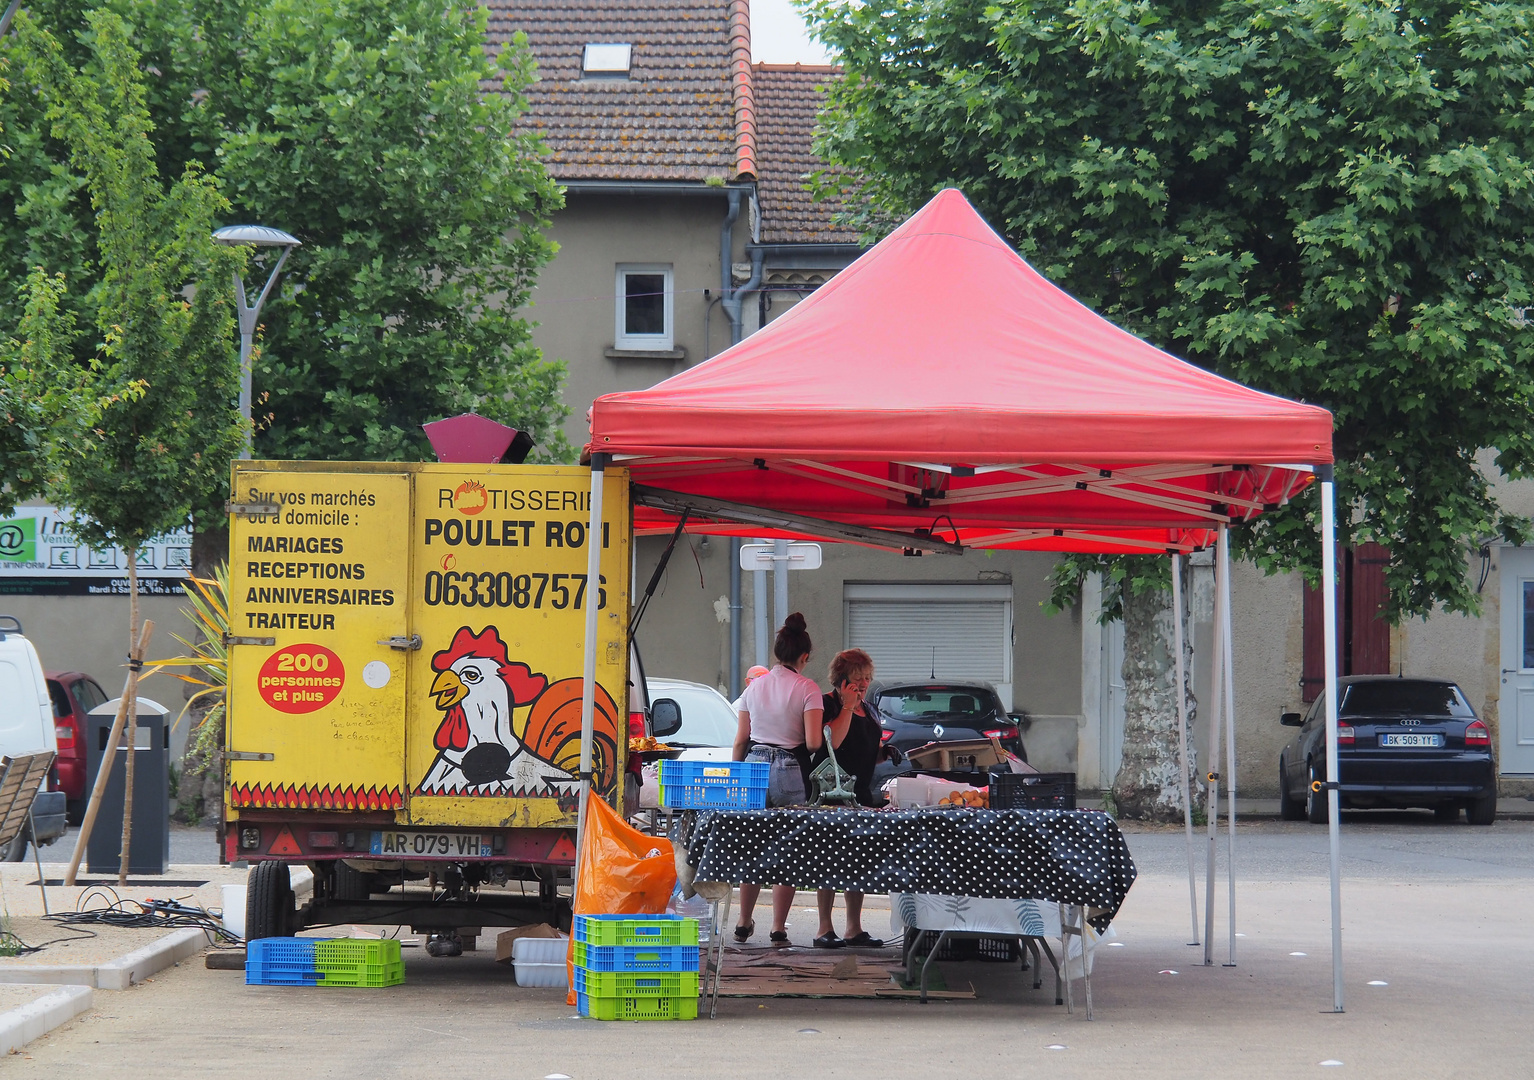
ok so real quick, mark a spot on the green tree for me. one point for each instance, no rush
(1327, 199)
(365, 129)
(163, 312)
(43, 407)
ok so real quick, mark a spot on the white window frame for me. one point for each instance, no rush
(663, 342)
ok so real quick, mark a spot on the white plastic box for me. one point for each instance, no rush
(540, 961)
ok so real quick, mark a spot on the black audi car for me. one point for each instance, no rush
(914, 714)
(1400, 743)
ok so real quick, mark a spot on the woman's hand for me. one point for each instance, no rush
(850, 696)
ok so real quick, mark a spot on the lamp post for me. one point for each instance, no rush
(250, 314)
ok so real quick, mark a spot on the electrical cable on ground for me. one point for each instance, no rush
(143, 915)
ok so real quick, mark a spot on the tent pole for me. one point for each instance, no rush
(1228, 645)
(1182, 740)
(759, 601)
(1212, 775)
(780, 581)
(589, 656)
(1329, 621)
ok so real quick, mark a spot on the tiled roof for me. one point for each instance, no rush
(679, 115)
(787, 99)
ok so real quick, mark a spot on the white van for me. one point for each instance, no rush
(26, 726)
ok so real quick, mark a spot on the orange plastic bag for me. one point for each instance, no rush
(622, 872)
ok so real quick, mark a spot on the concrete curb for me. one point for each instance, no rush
(21, 1025)
(117, 974)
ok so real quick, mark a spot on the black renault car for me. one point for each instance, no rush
(1400, 743)
(914, 714)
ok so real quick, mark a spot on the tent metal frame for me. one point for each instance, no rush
(1222, 686)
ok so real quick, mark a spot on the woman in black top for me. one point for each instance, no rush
(856, 737)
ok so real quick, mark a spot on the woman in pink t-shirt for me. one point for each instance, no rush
(780, 719)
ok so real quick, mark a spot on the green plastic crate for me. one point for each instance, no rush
(365, 975)
(606, 984)
(638, 1008)
(635, 930)
(347, 952)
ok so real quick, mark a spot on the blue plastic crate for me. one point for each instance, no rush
(281, 950)
(281, 962)
(635, 930)
(636, 957)
(713, 785)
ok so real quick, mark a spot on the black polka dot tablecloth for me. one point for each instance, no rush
(1070, 856)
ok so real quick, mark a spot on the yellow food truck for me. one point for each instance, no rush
(405, 677)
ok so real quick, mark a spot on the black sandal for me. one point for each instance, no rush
(778, 937)
(743, 933)
(829, 941)
(863, 940)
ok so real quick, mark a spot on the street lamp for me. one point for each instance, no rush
(255, 236)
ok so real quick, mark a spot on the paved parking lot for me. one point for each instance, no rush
(1441, 915)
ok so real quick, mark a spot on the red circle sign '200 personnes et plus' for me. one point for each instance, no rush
(301, 678)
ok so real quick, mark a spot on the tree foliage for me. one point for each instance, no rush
(44, 406)
(1330, 200)
(366, 130)
(166, 369)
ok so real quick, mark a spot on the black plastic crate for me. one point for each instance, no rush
(1033, 791)
(996, 950)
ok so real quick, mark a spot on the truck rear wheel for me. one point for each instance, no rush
(268, 902)
(352, 884)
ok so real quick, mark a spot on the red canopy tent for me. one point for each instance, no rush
(940, 383)
(939, 394)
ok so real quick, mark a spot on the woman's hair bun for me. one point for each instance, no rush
(795, 622)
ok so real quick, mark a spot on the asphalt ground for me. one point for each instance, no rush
(1441, 917)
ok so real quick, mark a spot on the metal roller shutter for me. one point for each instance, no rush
(912, 631)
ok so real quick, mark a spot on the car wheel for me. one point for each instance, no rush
(1482, 811)
(1288, 809)
(16, 850)
(1315, 801)
(268, 902)
(1446, 812)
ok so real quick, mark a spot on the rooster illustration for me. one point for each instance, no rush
(485, 747)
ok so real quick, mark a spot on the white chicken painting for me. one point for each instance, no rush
(481, 749)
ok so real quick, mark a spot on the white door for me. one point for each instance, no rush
(924, 631)
(1516, 753)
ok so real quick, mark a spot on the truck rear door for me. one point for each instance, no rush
(319, 637)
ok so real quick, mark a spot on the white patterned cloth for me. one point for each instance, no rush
(1003, 918)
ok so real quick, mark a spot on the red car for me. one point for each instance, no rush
(73, 696)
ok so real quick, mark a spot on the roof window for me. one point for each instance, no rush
(607, 61)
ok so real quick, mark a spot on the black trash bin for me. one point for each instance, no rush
(149, 852)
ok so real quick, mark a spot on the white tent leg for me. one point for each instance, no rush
(1182, 741)
(1212, 775)
(1329, 608)
(1228, 646)
(589, 656)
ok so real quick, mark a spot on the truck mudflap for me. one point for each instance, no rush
(303, 840)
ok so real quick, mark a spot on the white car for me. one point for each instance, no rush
(694, 718)
(26, 726)
(706, 731)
